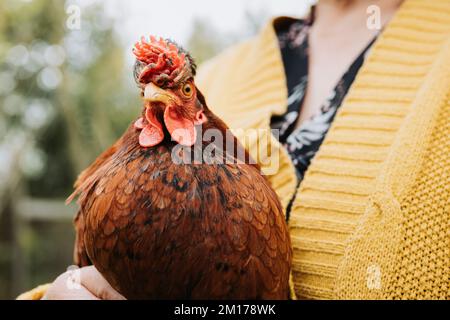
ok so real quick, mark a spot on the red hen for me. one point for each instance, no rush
(159, 223)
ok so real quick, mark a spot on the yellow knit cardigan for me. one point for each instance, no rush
(371, 218)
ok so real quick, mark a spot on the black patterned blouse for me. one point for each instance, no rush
(302, 143)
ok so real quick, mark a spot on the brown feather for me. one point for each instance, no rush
(160, 230)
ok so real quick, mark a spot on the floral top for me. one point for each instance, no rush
(302, 143)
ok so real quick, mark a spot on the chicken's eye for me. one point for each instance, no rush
(188, 90)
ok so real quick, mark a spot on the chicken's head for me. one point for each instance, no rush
(165, 73)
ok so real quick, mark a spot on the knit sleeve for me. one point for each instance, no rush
(34, 294)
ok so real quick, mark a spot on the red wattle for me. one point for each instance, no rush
(150, 136)
(181, 130)
(152, 133)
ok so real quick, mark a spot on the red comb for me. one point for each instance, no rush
(162, 57)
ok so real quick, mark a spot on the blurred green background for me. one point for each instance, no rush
(66, 94)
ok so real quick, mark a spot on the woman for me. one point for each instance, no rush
(363, 180)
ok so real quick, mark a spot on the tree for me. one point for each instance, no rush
(64, 97)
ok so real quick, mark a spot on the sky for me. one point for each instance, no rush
(173, 18)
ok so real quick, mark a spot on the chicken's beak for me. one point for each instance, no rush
(153, 93)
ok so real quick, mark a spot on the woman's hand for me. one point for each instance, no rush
(81, 284)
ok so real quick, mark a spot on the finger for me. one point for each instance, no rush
(80, 294)
(97, 284)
